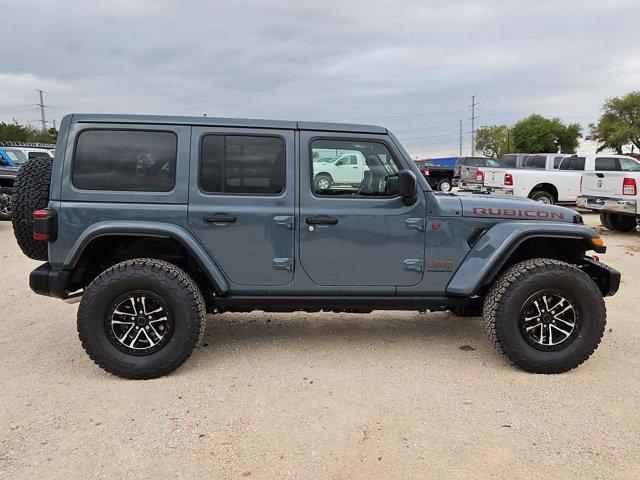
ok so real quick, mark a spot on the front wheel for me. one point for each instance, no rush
(323, 182)
(141, 318)
(545, 316)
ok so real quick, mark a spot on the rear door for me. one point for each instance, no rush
(241, 201)
(362, 235)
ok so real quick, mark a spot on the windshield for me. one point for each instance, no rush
(18, 157)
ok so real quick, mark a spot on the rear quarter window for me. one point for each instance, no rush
(125, 160)
(607, 164)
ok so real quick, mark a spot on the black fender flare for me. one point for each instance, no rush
(493, 249)
(150, 229)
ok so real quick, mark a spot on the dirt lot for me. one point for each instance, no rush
(388, 395)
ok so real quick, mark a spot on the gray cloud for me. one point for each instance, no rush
(411, 66)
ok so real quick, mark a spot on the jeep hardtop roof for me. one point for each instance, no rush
(232, 122)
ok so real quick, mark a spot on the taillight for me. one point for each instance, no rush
(44, 227)
(508, 179)
(629, 186)
(426, 171)
(479, 176)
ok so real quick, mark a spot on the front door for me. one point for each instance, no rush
(241, 201)
(363, 234)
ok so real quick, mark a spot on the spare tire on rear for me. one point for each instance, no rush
(31, 193)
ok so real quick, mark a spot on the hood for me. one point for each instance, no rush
(490, 206)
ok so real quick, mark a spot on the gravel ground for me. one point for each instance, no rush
(386, 395)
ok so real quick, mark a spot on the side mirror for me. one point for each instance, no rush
(407, 186)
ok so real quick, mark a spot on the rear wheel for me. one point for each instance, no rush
(31, 193)
(141, 318)
(620, 223)
(445, 185)
(541, 196)
(5, 203)
(545, 316)
(604, 220)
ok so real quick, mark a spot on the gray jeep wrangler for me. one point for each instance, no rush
(154, 221)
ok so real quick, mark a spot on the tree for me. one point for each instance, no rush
(492, 140)
(619, 124)
(537, 134)
(14, 132)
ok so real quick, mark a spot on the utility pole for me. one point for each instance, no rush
(54, 123)
(473, 125)
(508, 140)
(41, 105)
(461, 137)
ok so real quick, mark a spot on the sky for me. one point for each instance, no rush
(411, 66)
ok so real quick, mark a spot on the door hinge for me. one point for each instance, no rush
(417, 223)
(414, 264)
(283, 221)
(283, 263)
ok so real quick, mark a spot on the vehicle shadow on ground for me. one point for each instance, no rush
(233, 330)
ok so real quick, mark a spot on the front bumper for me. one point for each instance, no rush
(604, 204)
(607, 278)
(52, 283)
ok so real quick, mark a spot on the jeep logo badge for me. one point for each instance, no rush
(599, 183)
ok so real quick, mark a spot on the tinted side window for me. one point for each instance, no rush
(607, 164)
(128, 160)
(375, 174)
(242, 164)
(572, 163)
(37, 155)
(556, 161)
(509, 161)
(539, 162)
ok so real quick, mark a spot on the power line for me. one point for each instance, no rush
(404, 116)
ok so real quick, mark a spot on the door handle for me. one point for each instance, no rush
(219, 219)
(600, 175)
(321, 221)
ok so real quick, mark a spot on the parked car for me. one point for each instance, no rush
(444, 177)
(151, 222)
(7, 178)
(614, 193)
(471, 176)
(346, 169)
(542, 182)
(12, 157)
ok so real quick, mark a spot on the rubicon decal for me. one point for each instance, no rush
(515, 212)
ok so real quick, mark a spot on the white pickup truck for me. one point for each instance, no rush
(549, 178)
(613, 193)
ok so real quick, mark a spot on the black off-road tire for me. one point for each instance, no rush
(31, 193)
(6, 215)
(621, 223)
(543, 197)
(445, 185)
(505, 299)
(604, 220)
(157, 277)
